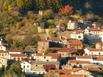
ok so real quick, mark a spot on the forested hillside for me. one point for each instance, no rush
(18, 16)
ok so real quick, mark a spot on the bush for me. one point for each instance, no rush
(47, 14)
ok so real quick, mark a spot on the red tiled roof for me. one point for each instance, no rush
(100, 43)
(54, 55)
(84, 57)
(18, 55)
(39, 54)
(79, 62)
(67, 71)
(67, 49)
(94, 29)
(48, 67)
(74, 42)
(74, 75)
(54, 39)
(94, 49)
(93, 68)
(99, 59)
(79, 31)
(15, 50)
(26, 59)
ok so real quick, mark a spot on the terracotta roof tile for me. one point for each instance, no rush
(84, 57)
(18, 55)
(94, 49)
(54, 39)
(74, 75)
(94, 29)
(99, 59)
(78, 62)
(54, 55)
(93, 68)
(15, 50)
(74, 42)
(79, 31)
(100, 43)
(67, 71)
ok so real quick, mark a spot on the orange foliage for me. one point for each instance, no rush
(66, 10)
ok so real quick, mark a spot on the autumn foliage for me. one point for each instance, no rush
(66, 10)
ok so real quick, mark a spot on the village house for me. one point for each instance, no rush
(74, 75)
(74, 43)
(77, 34)
(83, 72)
(93, 51)
(65, 34)
(86, 31)
(99, 45)
(85, 58)
(43, 45)
(55, 39)
(17, 55)
(94, 31)
(25, 66)
(91, 59)
(71, 25)
(3, 45)
(4, 54)
(66, 71)
(78, 63)
(15, 51)
(98, 60)
(65, 52)
(50, 57)
(93, 68)
(74, 34)
(75, 72)
(38, 66)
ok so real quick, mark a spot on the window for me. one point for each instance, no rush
(79, 36)
(24, 66)
(27, 66)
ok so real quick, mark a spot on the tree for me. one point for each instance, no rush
(24, 4)
(40, 4)
(47, 14)
(67, 10)
(13, 71)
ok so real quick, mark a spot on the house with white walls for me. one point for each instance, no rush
(93, 51)
(25, 66)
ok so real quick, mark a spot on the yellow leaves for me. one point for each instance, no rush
(19, 25)
(6, 4)
(50, 22)
(19, 3)
(47, 13)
